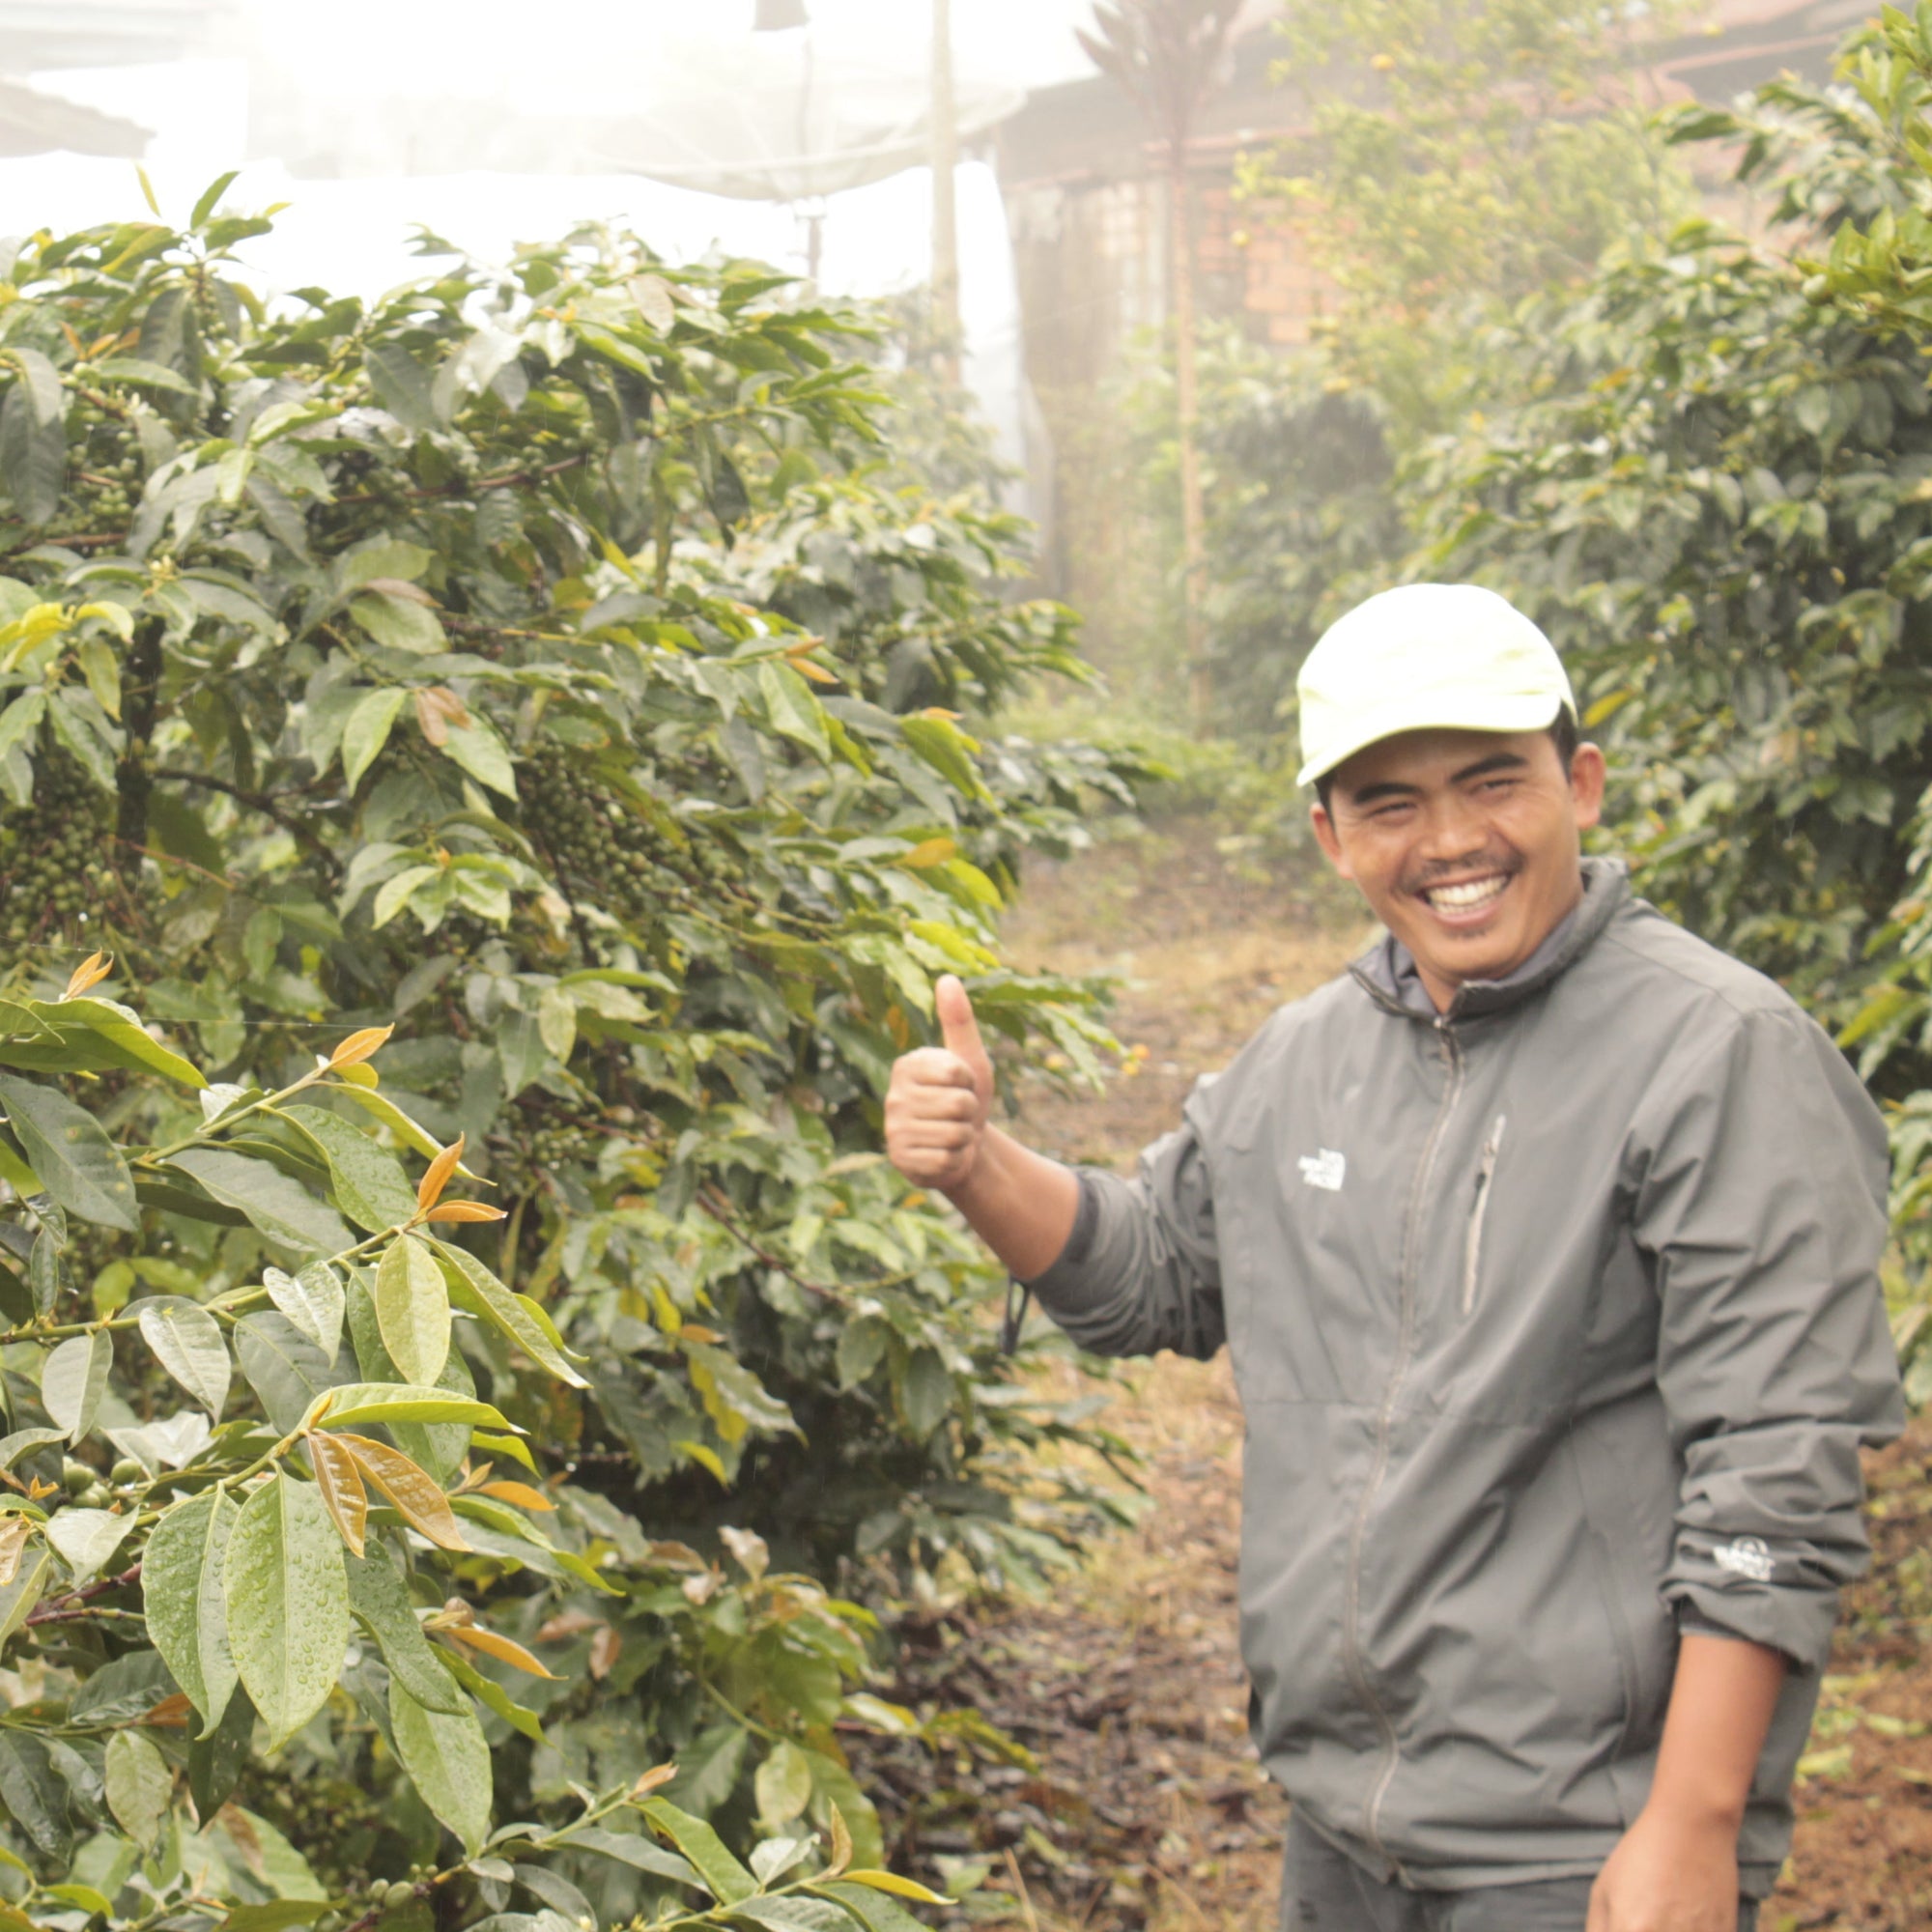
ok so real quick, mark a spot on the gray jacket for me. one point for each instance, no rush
(1555, 1319)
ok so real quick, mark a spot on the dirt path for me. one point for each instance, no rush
(1144, 1809)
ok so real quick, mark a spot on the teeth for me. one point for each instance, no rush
(1459, 898)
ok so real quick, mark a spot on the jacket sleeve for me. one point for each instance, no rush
(1761, 1202)
(1140, 1270)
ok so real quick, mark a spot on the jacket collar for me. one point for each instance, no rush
(1387, 971)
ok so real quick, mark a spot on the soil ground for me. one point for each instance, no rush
(1144, 1809)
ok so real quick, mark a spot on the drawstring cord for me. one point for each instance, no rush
(1019, 1298)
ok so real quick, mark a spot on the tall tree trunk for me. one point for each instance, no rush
(945, 213)
(1193, 504)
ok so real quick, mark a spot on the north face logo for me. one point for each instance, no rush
(1747, 1556)
(1327, 1169)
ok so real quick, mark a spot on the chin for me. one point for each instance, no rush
(1481, 956)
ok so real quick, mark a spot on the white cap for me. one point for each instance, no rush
(1425, 656)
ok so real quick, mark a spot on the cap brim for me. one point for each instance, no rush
(1424, 711)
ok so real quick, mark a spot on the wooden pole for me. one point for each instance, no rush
(1187, 396)
(945, 209)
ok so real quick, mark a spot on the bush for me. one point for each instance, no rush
(543, 673)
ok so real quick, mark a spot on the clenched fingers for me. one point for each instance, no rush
(938, 1103)
(935, 1115)
(932, 1066)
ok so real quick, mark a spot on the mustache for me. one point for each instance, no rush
(1440, 872)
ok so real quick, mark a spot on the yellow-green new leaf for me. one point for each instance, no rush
(784, 1784)
(447, 1761)
(408, 1402)
(288, 1604)
(19, 1598)
(15, 1531)
(475, 1288)
(411, 1133)
(904, 1887)
(368, 728)
(188, 1343)
(119, 1034)
(413, 1309)
(184, 1600)
(87, 1538)
(504, 1649)
(493, 1697)
(74, 1380)
(85, 1896)
(313, 1299)
(138, 1786)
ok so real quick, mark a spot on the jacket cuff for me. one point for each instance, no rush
(1795, 1622)
(1692, 1622)
(1065, 1285)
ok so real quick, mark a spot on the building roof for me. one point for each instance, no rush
(1088, 130)
(38, 124)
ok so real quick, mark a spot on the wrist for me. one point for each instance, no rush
(1689, 1810)
(973, 1188)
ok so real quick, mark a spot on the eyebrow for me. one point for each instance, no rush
(1498, 761)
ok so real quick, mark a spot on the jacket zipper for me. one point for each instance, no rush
(1473, 1246)
(1385, 1426)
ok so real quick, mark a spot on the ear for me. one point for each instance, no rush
(1586, 784)
(1326, 837)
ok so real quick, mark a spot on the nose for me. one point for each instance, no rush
(1452, 829)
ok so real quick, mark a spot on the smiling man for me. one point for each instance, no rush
(1543, 1243)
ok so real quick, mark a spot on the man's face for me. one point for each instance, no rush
(1465, 844)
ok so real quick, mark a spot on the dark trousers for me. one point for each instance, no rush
(1325, 1890)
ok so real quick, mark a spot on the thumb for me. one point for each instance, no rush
(958, 1027)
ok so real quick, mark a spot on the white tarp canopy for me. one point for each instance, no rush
(787, 117)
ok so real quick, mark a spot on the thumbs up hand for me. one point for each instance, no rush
(940, 1097)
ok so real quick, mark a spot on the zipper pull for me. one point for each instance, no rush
(1473, 1246)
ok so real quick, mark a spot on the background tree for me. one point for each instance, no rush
(1165, 54)
(1461, 157)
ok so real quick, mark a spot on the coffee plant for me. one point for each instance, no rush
(186, 1586)
(557, 677)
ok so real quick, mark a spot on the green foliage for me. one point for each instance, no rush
(1462, 157)
(543, 677)
(1716, 492)
(1876, 274)
(194, 1603)
(1716, 507)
